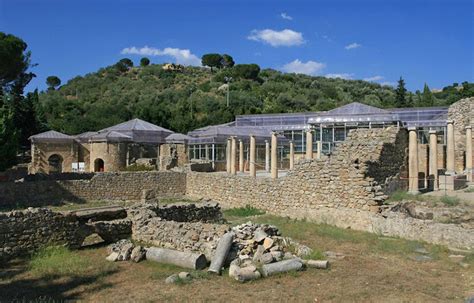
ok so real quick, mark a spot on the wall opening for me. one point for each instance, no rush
(98, 165)
(55, 163)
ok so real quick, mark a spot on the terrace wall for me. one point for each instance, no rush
(123, 186)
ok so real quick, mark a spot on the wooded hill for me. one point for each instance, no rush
(192, 97)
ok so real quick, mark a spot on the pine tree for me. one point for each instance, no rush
(8, 139)
(400, 94)
(427, 98)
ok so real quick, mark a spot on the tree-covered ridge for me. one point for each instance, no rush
(195, 97)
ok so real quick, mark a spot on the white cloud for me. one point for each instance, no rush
(353, 46)
(308, 67)
(181, 56)
(286, 37)
(388, 83)
(345, 76)
(373, 79)
(286, 16)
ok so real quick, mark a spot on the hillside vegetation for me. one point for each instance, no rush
(195, 97)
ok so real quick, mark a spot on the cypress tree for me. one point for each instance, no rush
(400, 94)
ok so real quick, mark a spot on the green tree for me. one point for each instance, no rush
(144, 61)
(227, 61)
(8, 138)
(400, 94)
(212, 60)
(15, 61)
(53, 82)
(427, 98)
(247, 71)
(124, 65)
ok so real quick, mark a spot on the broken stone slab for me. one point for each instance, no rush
(112, 257)
(184, 275)
(334, 255)
(259, 235)
(277, 255)
(104, 213)
(138, 254)
(223, 247)
(281, 267)
(247, 274)
(267, 243)
(125, 252)
(320, 264)
(457, 258)
(234, 268)
(172, 279)
(175, 257)
(258, 253)
(266, 258)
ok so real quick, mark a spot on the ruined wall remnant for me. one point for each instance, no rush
(23, 232)
(462, 113)
(123, 186)
(356, 176)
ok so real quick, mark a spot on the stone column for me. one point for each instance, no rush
(292, 155)
(228, 152)
(206, 152)
(252, 156)
(412, 161)
(433, 166)
(450, 149)
(233, 156)
(319, 147)
(469, 153)
(274, 157)
(241, 156)
(309, 144)
(267, 156)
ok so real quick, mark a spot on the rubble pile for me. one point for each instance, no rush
(125, 250)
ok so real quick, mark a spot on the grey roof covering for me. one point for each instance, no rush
(220, 133)
(286, 121)
(354, 112)
(84, 137)
(177, 138)
(141, 131)
(110, 136)
(422, 116)
(51, 136)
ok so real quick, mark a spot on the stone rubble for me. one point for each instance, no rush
(125, 250)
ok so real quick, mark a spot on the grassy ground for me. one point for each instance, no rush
(464, 197)
(375, 269)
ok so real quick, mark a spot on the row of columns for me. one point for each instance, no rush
(271, 154)
(433, 156)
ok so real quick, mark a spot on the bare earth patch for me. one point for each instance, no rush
(374, 269)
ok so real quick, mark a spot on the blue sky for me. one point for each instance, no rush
(423, 41)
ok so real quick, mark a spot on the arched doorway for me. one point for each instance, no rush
(98, 165)
(55, 164)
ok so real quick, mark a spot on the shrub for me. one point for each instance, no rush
(450, 201)
(246, 211)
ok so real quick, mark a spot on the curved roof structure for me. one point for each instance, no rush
(110, 136)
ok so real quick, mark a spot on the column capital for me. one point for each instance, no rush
(450, 122)
(432, 132)
(468, 127)
(411, 128)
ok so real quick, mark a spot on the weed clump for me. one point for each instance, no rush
(246, 211)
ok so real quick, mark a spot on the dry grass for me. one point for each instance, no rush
(375, 269)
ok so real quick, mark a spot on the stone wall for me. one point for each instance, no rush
(462, 113)
(123, 186)
(185, 227)
(23, 232)
(355, 176)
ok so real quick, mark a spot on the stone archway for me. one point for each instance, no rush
(55, 163)
(99, 165)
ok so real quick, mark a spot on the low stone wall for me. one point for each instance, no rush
(23, 232)
(186, 212)
(123, 186)
(356, 176)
